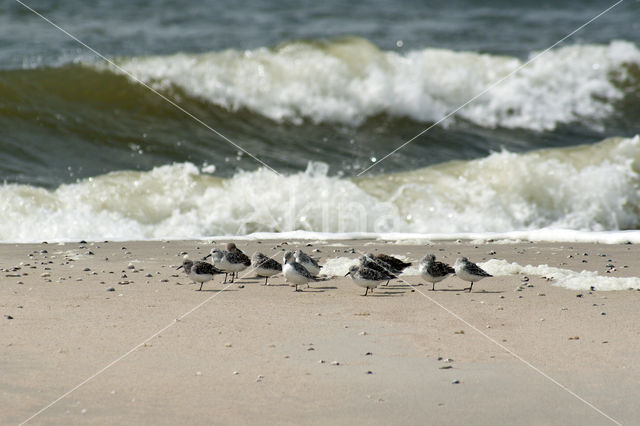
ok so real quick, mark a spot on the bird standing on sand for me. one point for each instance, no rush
(199, 271)
(294, 272)
(216, 256)
(381, 263)
(232, 260)
(469, 271)
(308, 262)
(265, 266)
(367, 277)
(397, 265)
(371, 262)
(434, 271)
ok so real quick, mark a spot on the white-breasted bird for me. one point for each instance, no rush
(265, 266)
(367, 277)
(230, 261)
(434, 271)
(469, 271)
(308, 262)
(294, 272)
(199, 271)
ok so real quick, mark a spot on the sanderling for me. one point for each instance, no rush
(371, 261)
(308, 262)
(295, 272)
(434, 271)
(368, 261)
(397, 265)
(216, 256)
(232, 260)
(367, 277)
(199, 271)
(469, 271)
(265, 266)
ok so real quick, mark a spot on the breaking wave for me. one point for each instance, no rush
(590, 187)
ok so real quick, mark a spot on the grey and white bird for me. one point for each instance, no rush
(294, 272)
(396, 265)
(199, 271)
(308, 262)
(368, 261)
(265, 266)
(367, 278)
(216, 256)
(434, 271)
(469, 271)
(230, 261)
(371, 261)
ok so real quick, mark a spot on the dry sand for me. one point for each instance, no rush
(254, 354)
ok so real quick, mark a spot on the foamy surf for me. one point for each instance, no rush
(549, 193)
(348, 80)
(566, 278)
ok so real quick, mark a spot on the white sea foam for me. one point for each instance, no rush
(348, 80)
(338, 266)
(588, 193)
(566, 278)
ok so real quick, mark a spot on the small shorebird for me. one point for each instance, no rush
(367, 277)
(469, 271)
(377, 263)
(308, 262)
(294, 272)
(397, 265)
(434, 271)
(216, 256)
(370, 262)
(265, 266)
(199, 271)
(230, 261)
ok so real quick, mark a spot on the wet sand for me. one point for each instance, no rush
(254, 354)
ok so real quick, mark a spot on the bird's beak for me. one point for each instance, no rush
(179, 267)
(348, 273)
(209, 255)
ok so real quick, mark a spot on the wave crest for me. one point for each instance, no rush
(592, 188)
(348, 80)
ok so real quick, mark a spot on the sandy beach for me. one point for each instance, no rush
(254, 354)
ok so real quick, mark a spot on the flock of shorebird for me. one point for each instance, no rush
(300, 268)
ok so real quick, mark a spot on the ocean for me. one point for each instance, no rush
(306, 101)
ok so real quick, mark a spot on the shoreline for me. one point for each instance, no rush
(538, 236)
(390, 349)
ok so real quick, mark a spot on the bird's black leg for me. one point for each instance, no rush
(265, 280)
(200, 289)
(470, 287)
(433, 286)
(366, 290)
(225, 277)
